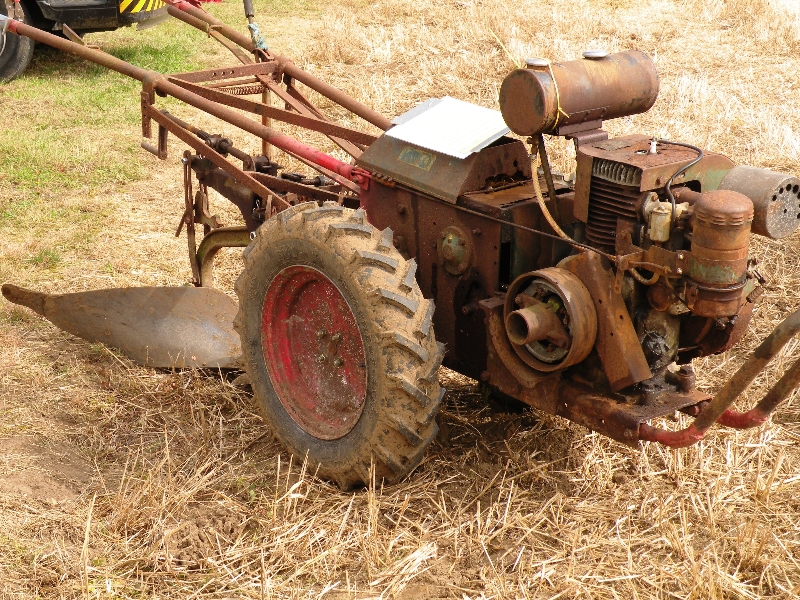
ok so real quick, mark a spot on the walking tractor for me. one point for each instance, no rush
(444, 242)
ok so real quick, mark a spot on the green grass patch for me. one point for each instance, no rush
(66, 114)
(46, 258)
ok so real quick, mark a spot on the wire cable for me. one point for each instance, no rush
(667, 188)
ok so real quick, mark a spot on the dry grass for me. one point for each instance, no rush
(121, 482)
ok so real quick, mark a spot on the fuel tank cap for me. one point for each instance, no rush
(594, 54)
(536, 63)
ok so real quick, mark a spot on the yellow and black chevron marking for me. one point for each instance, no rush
(135, 6)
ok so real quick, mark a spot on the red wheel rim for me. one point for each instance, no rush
(314, 352)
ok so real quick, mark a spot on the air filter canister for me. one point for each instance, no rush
(718, 264)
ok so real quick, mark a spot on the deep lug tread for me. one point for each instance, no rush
(387, 263)
(396, 339)
(412, 390)
(432, 374)
(392, 461)
(322, 211)
(409, 278)
(284, 216)
(407, 431)
(423, 328)
(408, 305)
(357, 216)
(351, 229)
(408, 355)
(433, 409)
(416, 457)
(385, 240)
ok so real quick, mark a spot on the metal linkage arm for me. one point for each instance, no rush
(719, 411)
(156, 81)
(175, 9)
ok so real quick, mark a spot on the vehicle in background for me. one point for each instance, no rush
(69, 17)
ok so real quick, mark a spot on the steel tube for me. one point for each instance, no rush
(721, 403)
(316, 84)
(159, 82)
(760, 413)
(213, 242)
(201, 16)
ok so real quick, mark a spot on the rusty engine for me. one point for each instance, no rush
(646, 265)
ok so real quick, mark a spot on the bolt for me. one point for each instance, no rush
(337, 362)
(476, 231)
(679, 271)
(321, 333)
(184, 161)
(322, 358)
(680, 256)
(336, 337)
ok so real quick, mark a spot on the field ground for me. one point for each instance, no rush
(122, 482)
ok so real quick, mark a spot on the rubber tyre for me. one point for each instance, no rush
(402, 357)
(18, 50)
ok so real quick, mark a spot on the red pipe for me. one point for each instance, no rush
(719, 411)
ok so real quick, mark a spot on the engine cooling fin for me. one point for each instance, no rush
(613, 195)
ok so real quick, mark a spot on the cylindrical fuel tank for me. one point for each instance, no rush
(718, 264)
(775, 196)
(618, 85)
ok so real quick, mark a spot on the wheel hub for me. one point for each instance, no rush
(314, 352)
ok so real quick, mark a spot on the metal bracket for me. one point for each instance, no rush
(161, 150)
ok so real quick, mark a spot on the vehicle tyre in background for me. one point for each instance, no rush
(18, 49)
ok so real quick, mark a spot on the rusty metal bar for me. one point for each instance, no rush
(228, 149)
(310, 112)
(346, 183)
(760, 413)
(216, 158)
(159, 82)
(250, 69)
(307, 122)
(288, 67)
(285, 185)
(205, 22)
(213, 242)
(721, 403)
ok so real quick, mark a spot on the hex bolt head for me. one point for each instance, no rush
(336, 337)
(338, 362)
(322, 358)
(679, 271)
(321, 333)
